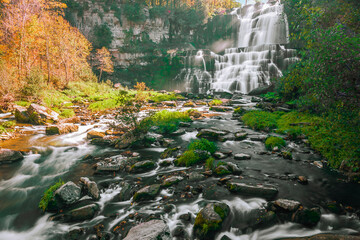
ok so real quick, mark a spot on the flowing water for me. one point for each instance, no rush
(22, 185)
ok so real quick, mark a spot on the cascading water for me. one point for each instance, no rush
(258, 55)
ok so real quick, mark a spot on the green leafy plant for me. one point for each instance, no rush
(204, 145)
(272, 142)
(215, 102)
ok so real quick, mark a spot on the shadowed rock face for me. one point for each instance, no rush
(9, 156)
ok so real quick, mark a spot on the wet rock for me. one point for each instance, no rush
(220, 155)
(227, 137)
(179, 232)
(303, 180)
(165, 163)
(209, 220)
(128, 139)
(169, 103)
(195, 114)
(78, 214)
(221, 109)
(185, 217)
(318, 164)
(75, 234)
(242, 156)
(142, 166)
(21, 114)
(325, 236)
(239, 136)
(126, 192)
(152, 230)
(61, 129)
(147, 193)
(234, 168)
(267, 192)
(90, 188)
(195, 177)
(95, 134)
(258, 138)
(40, 115)
(225, 237)
(307, 217)
(68, 193)
(171, 181)
(284, 205)
(282, 109)
(9, 156)
(111, 165)
(210, 133)
(151, 138)
(286, 155)
(179, 132)
(334, 207)
(261, 90)
(255, 99)
(166, 142)
(102, 142)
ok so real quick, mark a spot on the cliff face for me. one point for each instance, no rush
(88, 14)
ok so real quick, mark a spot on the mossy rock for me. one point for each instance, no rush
(272, 142)
(222, 170)
(169, 152)
(147, 193)
(209, 220)
(307, 217)
(142, 166)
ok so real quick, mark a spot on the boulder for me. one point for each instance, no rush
(61, 129)
(239, 136)
(220, 155)
(195, 114)
(209, 220)
(221, 109)
(234, 168)
(67, 194)
(90, 188)
(227, 137)
(147, 193)
(127, 140)
(170, 152)
(261, 90)
(9, 156)
(284, 205)
(21, 114)
(307, 217)
(142, 166)
(78, 214)
(267, 192)
(196, 177)
(152, 230)
(102, 142)
(171, 181)
(189, 104)
(242, 156)
(95, 134)
(179, 132)
(40, 115)
(126, 192)
(210, 134)
(222, 170)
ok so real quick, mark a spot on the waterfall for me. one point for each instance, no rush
(259, 53)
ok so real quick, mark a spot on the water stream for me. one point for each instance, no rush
(22, 185)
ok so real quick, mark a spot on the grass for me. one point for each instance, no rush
(67, 113)
(215, 102)
(48, 196)
(166, 121)
(261, 120)
(272, 142)
(209, 163)
(6, 126)
(204, 145)
(188, 158)
(23, 103)
(160, 97)
(335, 141)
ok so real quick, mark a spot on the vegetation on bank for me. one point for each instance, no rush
(48, 197)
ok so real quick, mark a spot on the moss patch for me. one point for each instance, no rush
(48, 201)
(272, 142)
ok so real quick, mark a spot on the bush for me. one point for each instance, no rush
(209, 164)
(261, 120)
(272, 142)
(157, 12)
(48, 197)
(165, 97)
(204, 145)
(35, 83)
(134, 12)
(102, 36)
(192, 157)
(215, 102)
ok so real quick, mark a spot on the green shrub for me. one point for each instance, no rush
(48, 196)
(102, 36)
(204, 145)
(215, 102)
(209, 164)
(35, 83)
(104, 105)
(272, 142)
(160, 97)
(134, 12)
(157, 12)
(8, 124)
(67, 113)
(261, 120)
(188, 158)
(23, 103)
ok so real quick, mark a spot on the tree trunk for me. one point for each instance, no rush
(47, 58)
(100, 74)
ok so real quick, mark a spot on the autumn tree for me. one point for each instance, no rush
(103, 61)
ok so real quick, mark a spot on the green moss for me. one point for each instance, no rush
(203, 144)
(215, 102)
(272, 142)
(219, 210)
(167, 153)
(67, 113)
(261, 120)
(239, 110)
(23, 103)
(8, 124)
(188, 158)
(160, 97)
(222, 171)
(48, 197)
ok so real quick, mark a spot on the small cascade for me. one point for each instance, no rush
(259, 54)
